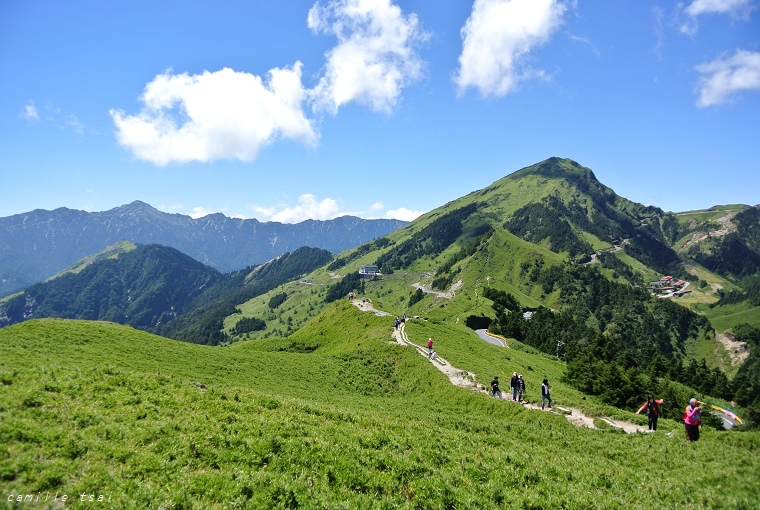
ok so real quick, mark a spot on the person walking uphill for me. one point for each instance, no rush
(430, 346)
(652, 407)
(545, 393)
(513, 386)
(692, 419)
(495, 391)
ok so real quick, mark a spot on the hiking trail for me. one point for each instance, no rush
(468, 380)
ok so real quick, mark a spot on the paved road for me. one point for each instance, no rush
(491, 340)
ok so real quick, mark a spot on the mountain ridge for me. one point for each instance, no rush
(40, 243)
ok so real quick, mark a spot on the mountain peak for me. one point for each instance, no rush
(136, 206)
(556, 167)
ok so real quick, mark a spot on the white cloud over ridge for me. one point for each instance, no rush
(375, 56)
(312, 208)
(497, 38)
(403, 214)
(722, 78)
(308, 208)
(215, 115)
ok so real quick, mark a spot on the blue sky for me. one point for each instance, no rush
(293, 110)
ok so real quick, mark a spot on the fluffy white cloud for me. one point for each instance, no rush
(403, 214)
(497, 38)
(311, 208)
(215, 115)
(308, 208)
(735, 8)
(375, 57)
(724, 77)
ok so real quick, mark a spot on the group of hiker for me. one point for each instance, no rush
(517, 385)
(692, 415)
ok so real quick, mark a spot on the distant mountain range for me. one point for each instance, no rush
(38, 244)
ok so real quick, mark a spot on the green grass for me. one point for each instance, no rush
(357, 422)
(725, 317)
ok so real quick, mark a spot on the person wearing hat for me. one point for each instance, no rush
(692, 419)
(430, 346)
(513, 386)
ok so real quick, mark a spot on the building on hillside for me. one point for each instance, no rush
(369, 271)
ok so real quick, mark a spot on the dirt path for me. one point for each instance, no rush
(468, 380)
(446, 295)
(366, 306)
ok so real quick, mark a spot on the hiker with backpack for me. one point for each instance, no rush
(652, 408)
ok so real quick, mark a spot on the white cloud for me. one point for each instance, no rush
(215, 115)
(497, 39)
(308, 208)
(375, 57)
(724, 77)
(30, 114)
(311, 208)
(735, 8)
(200, 212)
(403, 214)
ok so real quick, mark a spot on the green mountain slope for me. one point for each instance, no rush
(101, 409)
(154, 287)
(142, 286)
(556, 242)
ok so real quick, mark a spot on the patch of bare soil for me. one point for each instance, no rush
(446, 295)
(726, 227)
(737, 350)
(366, 306)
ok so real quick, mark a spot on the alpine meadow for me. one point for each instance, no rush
(140, 378)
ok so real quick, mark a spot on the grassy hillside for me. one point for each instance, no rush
(334, 416)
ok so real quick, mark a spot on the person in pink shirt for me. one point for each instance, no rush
(692, 419)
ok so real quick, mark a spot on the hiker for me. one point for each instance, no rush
(652, 407)
(545, 394)
(430, 346)
(397, 323)
(520, 388)
(513, 386)
(692, 420)
(432, 355)
(495, 391)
